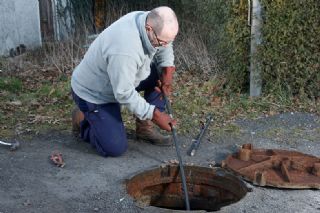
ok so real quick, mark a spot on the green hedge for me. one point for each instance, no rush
(290, 53)
(291, 47)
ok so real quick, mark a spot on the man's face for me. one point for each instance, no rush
(156, 40)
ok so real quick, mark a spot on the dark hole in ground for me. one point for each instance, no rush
(209, 189)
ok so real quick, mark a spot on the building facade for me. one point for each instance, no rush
(26, 24)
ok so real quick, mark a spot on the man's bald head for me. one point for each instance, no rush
(164, 21)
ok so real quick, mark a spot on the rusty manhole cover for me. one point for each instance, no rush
(277, 168)
(208, 188)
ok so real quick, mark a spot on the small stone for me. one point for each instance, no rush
(212, 164)
(15, 103)
(96, 209)
(174, 161)
(27, 203)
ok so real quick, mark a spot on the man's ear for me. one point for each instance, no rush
(148, 28)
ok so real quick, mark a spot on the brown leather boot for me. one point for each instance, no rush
(145, 130)
(77, 117)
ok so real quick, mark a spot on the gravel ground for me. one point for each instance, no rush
(90, 183)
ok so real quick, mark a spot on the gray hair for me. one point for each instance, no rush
(160, 16)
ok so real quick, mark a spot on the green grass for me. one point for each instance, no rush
(48, 106)
(40, 101)
(10, 84)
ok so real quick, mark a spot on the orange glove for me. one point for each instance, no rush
(163, 120)
(166, 80)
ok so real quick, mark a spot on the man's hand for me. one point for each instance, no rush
(163, 120)
(166, 80)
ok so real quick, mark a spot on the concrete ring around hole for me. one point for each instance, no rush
(209, 189)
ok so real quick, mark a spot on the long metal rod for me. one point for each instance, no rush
(196, 142)
(175, 140)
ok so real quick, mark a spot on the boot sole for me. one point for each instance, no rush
(153, 142)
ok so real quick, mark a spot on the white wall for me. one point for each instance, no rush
(19, 24)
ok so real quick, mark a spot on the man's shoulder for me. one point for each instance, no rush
(122, 38)
(129, 18)
(123, 29)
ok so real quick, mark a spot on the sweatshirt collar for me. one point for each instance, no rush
(141, 21)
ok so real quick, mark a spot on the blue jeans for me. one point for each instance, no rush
(103, 126)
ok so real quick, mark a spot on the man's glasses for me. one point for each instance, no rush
(161, 43)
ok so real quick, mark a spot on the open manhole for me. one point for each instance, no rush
(209, 189)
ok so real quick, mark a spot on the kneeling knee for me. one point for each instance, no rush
(118, 152)
(112, 151)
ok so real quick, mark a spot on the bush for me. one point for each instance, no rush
(291, 48)
(215, 38)
(223, 25)
(289, 54)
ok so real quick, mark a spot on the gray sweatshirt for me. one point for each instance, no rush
(116, 62)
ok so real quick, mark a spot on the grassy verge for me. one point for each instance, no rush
(32, 109)
(35, 97)
(196, 98)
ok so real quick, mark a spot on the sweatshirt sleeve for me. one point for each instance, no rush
(165, 56)
(122, 72)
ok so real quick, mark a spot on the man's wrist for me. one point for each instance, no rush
(168, 70)
(167, 75)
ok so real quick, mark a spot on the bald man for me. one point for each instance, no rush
(121, 62)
